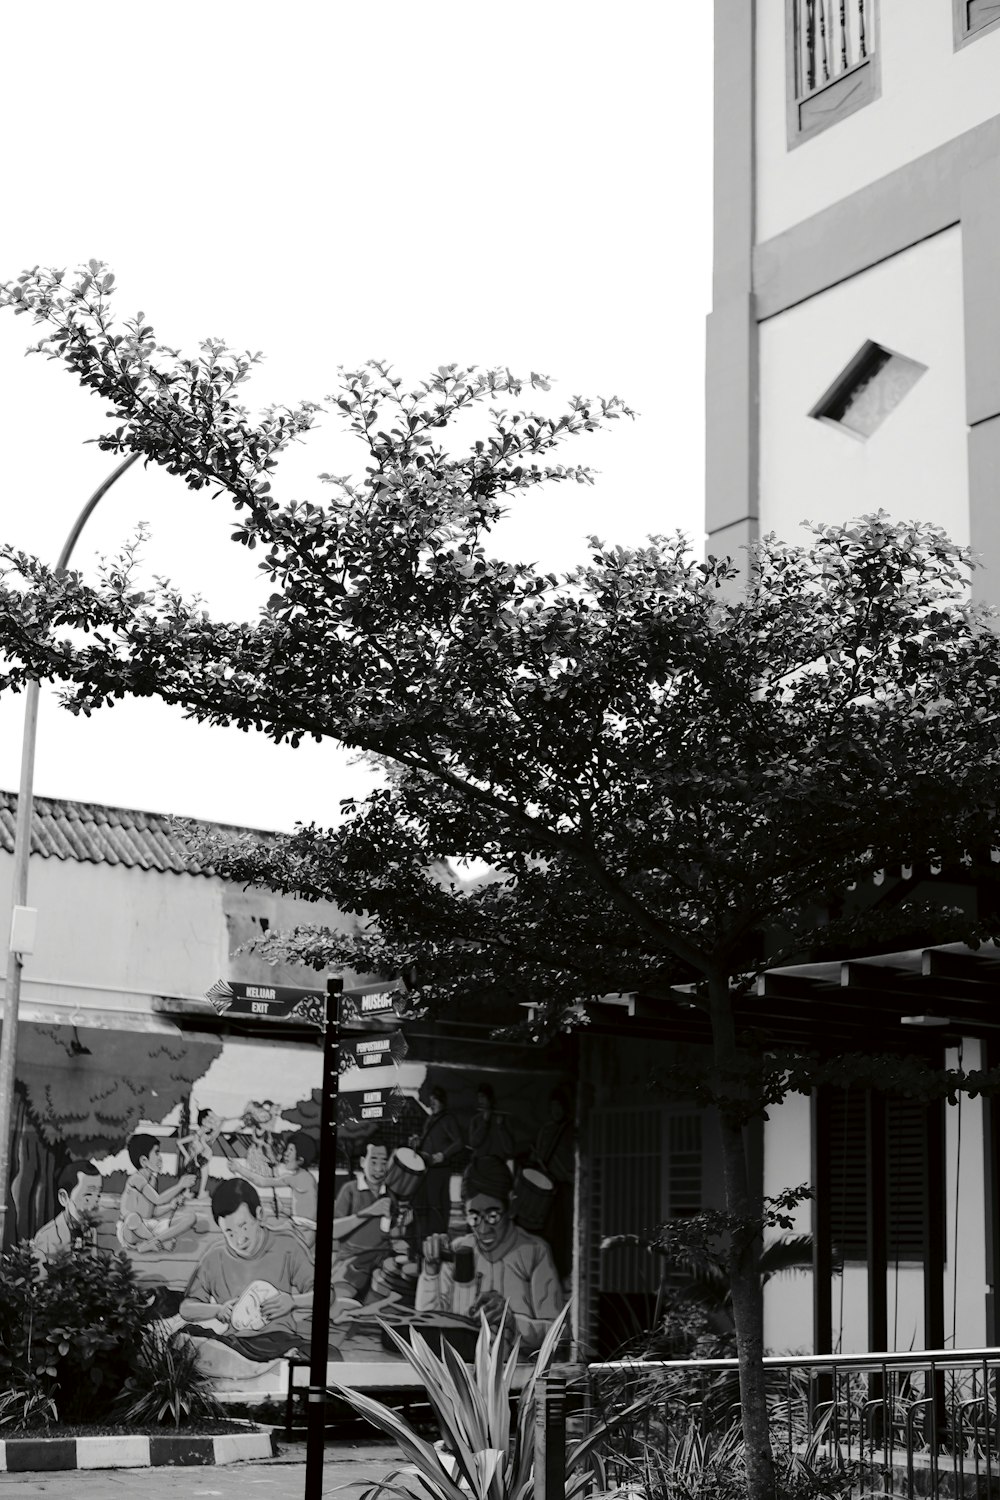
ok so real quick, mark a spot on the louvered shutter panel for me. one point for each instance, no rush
(684, 1165)
(626, 1174)
(847, 1178)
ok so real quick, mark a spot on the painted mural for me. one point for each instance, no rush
(196, 1156)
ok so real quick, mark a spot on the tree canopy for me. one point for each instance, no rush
(654, 766)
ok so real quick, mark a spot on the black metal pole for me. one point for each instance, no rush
(550, 1436)
(325, 1194)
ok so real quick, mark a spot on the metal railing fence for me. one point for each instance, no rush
(922, 1423)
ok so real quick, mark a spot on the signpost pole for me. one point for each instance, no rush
(325, 1194)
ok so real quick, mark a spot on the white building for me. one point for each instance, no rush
(854, 364)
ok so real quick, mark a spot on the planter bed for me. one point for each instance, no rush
(104, 1447)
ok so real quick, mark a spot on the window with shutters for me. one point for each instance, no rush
(684, 1158)
(906, 1169)
(973, 18)
(646, 1164)
(832, 62)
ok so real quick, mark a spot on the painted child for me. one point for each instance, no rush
(294, 1174)
(150, 1220)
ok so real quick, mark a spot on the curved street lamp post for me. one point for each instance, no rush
(19, 885)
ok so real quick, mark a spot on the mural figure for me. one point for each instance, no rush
(361, 1227)
(197, 1149)
(260, 1120)
(441, 1144)
(73, 1106)
(78, 1189)
(149, 1220)
(216, 1206)
(300, 1154)
(252, 1289)
(489, 1132)
(510, 1267)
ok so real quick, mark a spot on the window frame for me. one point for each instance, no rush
(963, 32)
(858, 86)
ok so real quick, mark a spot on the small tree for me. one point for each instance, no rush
(655, 770)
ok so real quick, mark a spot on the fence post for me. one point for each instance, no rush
(550, 1437)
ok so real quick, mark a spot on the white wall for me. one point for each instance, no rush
(788, 1315)
(930, 93)
(965, 1281)
(788, 1326)
(915, 465)
(110, 937)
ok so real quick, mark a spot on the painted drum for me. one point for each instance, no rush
(531, 1199)
(404, 1173)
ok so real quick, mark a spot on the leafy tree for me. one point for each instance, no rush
(657, 770)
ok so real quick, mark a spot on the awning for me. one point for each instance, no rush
(884, 1002)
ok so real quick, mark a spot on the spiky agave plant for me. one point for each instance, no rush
(489, 1454)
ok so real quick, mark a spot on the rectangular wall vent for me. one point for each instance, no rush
(868, 390)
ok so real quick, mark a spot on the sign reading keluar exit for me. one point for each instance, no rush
(274, 1002)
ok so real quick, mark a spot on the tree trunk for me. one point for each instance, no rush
(744, 1277)
(35, 1165)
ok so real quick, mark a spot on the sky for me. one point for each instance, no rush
(526, 185)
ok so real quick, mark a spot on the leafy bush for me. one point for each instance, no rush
(708, 1465)
(27, 1405)
(67, 1330)
(167, 1382)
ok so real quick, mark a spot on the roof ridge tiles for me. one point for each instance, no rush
(95, 833)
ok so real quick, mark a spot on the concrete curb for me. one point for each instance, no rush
(33, 1455)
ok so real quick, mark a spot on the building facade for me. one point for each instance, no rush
(853, 364)
(853, 350)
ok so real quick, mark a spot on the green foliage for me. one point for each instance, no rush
(705, 1465)
(484, 1451)
(166, 1382)
(689, 1445)
(655, 770)
(695, 1258)
(28, 1404)
(668, 781)
(66, 1329)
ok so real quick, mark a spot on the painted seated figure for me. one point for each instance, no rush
(511, 1268)
(150, 1220)
(78, 1190)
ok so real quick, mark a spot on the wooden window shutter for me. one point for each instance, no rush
(847, 1176)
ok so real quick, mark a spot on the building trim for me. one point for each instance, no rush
(878, 221)
(731, 372)
(980, 210)
(966, 32)
(957, 183)
(859, 84)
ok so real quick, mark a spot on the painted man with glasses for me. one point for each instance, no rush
(511, 1267)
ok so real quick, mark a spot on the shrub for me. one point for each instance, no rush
(705, 1463)
(167, 1382)
(485, 1451)
(67, 1329)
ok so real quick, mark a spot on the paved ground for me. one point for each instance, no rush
(348, 1469)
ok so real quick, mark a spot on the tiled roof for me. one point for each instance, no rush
(93, 834)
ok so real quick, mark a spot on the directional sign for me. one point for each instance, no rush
(372, 1051)
(275, 1002)
(374, 1007)
(371, 1104)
